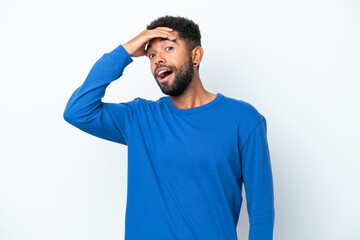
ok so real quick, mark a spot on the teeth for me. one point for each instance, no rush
(162, 71)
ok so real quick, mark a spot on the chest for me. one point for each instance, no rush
(192, 144)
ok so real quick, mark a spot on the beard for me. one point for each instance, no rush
(182, 78)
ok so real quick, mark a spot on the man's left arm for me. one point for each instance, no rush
(258, 182)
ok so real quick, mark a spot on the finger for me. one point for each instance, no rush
(161, 34)
(160, 31)
(167, 33)
(168, 36)
(166, 28)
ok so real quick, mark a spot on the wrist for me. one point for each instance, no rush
(126, 47)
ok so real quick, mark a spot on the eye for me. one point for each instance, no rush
(150, 55)
(169, 47)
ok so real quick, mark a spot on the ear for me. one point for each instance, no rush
(196, 55)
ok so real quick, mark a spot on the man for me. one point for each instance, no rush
(188, 152)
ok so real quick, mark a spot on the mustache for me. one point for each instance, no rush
(160, 66)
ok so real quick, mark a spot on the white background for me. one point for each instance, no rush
(297, 62)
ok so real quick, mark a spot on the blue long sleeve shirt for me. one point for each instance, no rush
(186, 167)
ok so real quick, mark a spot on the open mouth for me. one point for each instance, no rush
(164, 75)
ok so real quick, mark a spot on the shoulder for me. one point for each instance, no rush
(242, 110)
(246, 117)
(142, 104)
(134, 103)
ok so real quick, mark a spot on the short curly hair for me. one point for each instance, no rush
(188, 31)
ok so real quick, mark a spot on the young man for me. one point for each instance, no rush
(189, 152)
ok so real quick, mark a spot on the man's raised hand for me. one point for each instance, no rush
(136, 46)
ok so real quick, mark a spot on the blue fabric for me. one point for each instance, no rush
(186, 167)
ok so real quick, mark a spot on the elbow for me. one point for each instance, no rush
(68, 117)
(76, 118)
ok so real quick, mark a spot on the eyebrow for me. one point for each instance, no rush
(161, 40)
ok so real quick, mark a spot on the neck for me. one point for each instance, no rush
(195, 95)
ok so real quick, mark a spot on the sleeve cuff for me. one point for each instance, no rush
(120, 57)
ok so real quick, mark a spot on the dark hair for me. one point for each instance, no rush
(188, 31)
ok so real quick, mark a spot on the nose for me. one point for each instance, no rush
(159, 59)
